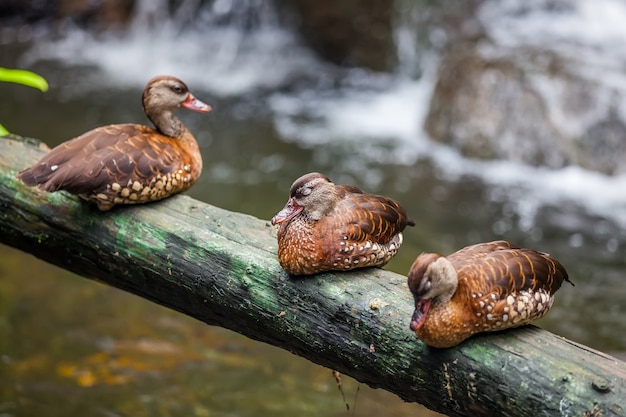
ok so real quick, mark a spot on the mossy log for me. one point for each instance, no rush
(220, 267)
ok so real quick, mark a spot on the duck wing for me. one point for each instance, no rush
(506, 284)
(368, 217)
(103, 156)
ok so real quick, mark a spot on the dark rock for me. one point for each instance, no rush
(347, 32)
(488, 109)
(604, 146)
(544, 101)
(99, 14)
(527, 106)
(102, 14)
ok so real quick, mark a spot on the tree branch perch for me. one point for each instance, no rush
(220, 267)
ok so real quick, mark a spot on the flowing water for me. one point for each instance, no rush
(279, 112)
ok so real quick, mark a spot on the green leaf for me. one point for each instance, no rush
(3, 131)
(24, 77)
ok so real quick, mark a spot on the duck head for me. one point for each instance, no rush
(312, 195)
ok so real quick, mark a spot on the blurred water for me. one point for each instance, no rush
(280, 112)
(241, 55)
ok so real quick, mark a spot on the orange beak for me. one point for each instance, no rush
(194, 104)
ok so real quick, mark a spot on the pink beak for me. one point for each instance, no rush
(419, 316)
(289, 211)
(194, 104)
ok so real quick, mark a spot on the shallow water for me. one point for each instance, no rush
(70, 346)
(106, 352)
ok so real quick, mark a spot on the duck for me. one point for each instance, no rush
(128, 163)
(481, 288)
(328, 227)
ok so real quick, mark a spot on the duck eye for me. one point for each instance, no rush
(427, 285)
(177, 89)
(305, 191)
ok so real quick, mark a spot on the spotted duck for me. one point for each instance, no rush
(480, 288)
(326, 227)
(128, 163)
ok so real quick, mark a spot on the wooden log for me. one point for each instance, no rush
(220, 267)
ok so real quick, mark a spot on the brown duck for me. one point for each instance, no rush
(128, 163)
(326, 227)
(484, 287)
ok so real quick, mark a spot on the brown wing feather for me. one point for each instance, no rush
(114, 153)
(344, 190)
(508, 268)
(481, 249)
(362, 217)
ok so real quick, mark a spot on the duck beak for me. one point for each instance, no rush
(194, 104)
(289, 211)
(419, 316)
